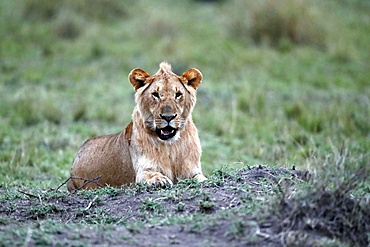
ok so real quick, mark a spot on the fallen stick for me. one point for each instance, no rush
(87, 181)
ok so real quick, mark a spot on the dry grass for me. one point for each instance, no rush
(279, 23)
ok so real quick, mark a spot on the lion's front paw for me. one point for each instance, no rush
(159, 180)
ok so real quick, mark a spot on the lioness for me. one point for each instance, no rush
(159, 146)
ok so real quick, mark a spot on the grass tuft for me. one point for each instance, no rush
(281, 24)
(152, 205)
(32, 107)
(67, 26)
(43, 10)
(327, 205)
(206, 204)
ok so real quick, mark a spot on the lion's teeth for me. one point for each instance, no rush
(167, 132)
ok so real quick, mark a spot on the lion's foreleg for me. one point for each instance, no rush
(147, 172)
(200, 177)
(155, 179)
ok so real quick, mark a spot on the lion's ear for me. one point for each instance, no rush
(192, 77)
(138, 78)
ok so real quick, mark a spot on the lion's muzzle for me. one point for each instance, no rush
(168, 117)
(166, 130)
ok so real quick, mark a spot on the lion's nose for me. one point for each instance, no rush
(168, 117)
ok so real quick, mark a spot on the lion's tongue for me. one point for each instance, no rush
(166, 132)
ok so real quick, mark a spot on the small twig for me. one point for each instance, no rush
(40, 198)
(262, 234)
(253, 183)
(31, 195)
(87, 181)
(159, 198)
(63, 184)
(28, 194)
(90, 204)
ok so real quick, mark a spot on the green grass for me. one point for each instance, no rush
(292, 93)
(259, 103)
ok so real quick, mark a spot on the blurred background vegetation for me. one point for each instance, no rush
(286, 82)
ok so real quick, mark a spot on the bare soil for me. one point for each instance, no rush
(257, 206)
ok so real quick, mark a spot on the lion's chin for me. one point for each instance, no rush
(166, 133)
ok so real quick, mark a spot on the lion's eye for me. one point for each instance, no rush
(155, 95)
(178, 95)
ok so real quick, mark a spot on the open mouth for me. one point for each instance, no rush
(166, 133)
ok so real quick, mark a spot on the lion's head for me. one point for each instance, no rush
(165, 100)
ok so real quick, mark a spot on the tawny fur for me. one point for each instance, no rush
(138, 154)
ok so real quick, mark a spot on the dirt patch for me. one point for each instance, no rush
(255, 206)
